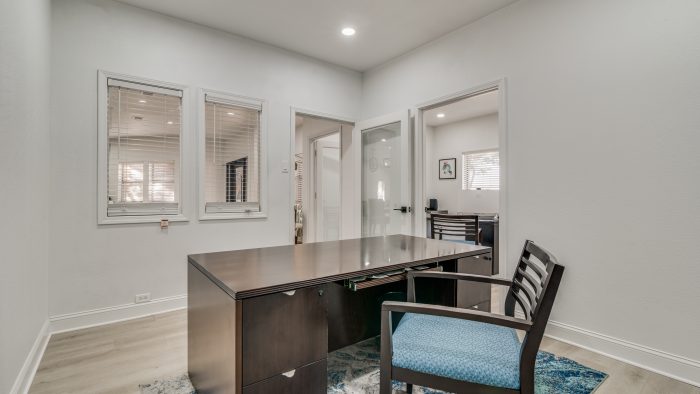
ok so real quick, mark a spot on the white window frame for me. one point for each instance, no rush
(465, 187)
(244, 101)
(185, 179)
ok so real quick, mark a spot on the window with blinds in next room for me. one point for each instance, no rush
(481, 170)
(144, 125)
(232, 140)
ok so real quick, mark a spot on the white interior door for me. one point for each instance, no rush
(327, 188)
(383, 158)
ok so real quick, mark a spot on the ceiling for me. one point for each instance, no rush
(385, 28)
(471, 107)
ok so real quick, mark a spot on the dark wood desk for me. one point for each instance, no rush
(263, 320)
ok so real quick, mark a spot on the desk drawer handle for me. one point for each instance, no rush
(290, 293)
(290, 374)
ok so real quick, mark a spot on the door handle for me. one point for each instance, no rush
(403, 209)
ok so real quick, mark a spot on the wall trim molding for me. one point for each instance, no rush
(114, 314)
(31, 363)
(671, 365)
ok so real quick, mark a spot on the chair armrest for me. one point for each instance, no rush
(459, 276)
(411, 285)
(458, 313)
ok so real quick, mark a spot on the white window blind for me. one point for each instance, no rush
(232, 156)
(144, 127)
(298, 177)
(480, 170)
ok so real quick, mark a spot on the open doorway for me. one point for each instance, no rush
(325, 184)
(318, 177)
(461, 168)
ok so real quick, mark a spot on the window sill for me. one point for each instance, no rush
(232, 215)
(141, 219)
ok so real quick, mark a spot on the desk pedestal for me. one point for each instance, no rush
(278, 343)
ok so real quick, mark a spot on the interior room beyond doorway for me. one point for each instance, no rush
(462, 166)
(317, 177)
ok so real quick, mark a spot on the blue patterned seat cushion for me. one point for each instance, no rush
(458, 349)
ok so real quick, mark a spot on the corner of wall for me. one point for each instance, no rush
(26, 375)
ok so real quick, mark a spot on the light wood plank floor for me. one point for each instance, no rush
(116, 358)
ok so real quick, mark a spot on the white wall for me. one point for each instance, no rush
(450, 141)
(603, 118)
(92, 266)
(24, 176)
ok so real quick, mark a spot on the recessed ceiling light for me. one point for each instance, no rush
(440, 115)
(142, 101)
(348, 31)
(383, 139)
(230, 113)
(170, 122)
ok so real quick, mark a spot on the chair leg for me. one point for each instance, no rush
(527, 378)
(384, 381)
(409, 388)
(385, 354)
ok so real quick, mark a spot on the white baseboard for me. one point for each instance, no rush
(31, 363)
(113, 314)
(667, 364)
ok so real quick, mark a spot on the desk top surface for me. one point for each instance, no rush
(253, 272)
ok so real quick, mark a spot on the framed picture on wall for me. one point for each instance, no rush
(447, 168)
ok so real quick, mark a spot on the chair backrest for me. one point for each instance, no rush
(463, 226)
(535, 285)
(532, 281)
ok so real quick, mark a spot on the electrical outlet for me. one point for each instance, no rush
(141, 298)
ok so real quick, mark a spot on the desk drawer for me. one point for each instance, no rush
(309, 379)
(380, 279)
(281, 332)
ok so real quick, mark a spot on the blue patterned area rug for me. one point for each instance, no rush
(175, 385)
(355, 369)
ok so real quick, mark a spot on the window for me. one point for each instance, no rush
(480, 170)
(231, 179)
(140, 150)
(146, 182)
